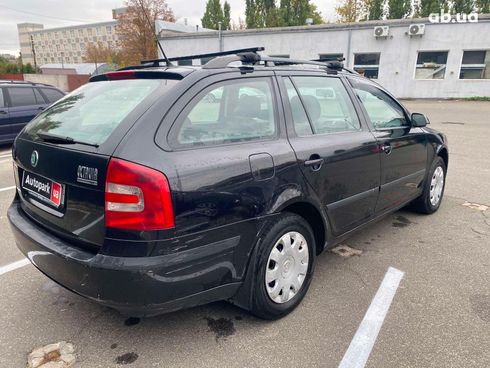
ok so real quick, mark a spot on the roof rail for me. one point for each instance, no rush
(251, 58)
(202, 56)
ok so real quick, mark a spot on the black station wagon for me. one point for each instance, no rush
(156, 188)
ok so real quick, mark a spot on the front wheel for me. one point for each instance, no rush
(431, 197)
(285, 264)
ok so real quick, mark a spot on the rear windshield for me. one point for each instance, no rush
(92, 112)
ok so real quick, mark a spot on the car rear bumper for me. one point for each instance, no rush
(136, 286)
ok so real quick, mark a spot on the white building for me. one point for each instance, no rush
(64, 44)
(437, 60)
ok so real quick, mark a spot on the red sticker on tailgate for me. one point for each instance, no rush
(56, 194)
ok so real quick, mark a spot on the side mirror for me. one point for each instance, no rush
(419, 120)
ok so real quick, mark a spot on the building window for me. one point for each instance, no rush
(330, 57)
(108, 29)
(431, 65)
(367, 65)
(475, 65)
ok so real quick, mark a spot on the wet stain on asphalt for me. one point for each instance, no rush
(238, 318)
(127, 358)
(113, 346)
(480, 304)
(131, 321)
(401, 221)
(367, 242)
(222, 327)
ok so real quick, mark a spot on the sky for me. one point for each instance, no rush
(59, 13)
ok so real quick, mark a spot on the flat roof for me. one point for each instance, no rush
(324, 27)
(87, 25)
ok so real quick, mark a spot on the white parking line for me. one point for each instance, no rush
(6, 188)
(5, 161)
(361, 345)
(13, 266)
(6, 156)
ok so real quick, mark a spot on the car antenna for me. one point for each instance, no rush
(167, 61)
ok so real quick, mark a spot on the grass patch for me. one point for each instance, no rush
(477, 98)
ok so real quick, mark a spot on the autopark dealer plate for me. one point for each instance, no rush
(43, 189)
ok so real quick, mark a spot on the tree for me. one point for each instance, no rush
(295, 12)
(136, 30)
(99, 53)
(213, 15)
(266, 13)
(463, 6)
(349, 11)
(374, 9)
(399, 9)
(427, 7)
(483, 6)
(226, 15)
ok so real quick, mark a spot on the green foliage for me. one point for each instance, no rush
(226, 15)
(483, 6)
(463, 6)
(399, 9)
(477, 98)
(266, 13)
(375, 9)
(213, 15)
(428, 7)
(14, 67)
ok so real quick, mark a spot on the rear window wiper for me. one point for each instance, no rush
(53, 138)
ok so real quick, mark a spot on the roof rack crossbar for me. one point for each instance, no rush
(207, 55)
(252, 58)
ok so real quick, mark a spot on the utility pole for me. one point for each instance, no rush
(33, 53)
(220, 37)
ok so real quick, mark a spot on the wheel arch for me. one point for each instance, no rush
(315, 219)
(443, 153)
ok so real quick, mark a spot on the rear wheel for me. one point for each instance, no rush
(431, 197)
(285, 266)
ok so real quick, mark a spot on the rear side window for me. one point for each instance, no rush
(92, 112)
(52, 94)
(236, 111)
(2, 104)
(39, 99)
(327, 103)
(22, 96)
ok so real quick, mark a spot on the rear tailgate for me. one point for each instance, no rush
(63, 189)
(61, 158)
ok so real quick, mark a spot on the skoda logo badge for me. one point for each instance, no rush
(34, 158)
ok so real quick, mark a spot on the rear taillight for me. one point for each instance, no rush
(137, 197)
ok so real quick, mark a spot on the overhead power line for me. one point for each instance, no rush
(44, 15)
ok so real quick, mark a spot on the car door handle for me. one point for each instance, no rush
(3, 112)
(386, 148)
(41, 108)
(315, 163)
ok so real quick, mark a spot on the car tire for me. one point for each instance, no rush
(431, 197)
(283, 269)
